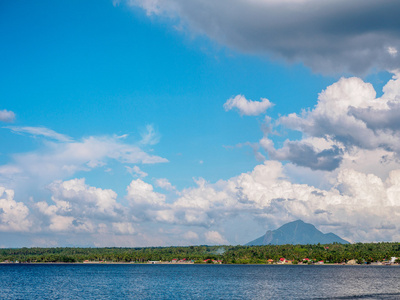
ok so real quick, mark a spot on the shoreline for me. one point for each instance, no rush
(191, 264)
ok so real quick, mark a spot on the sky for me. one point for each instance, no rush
(137, 123)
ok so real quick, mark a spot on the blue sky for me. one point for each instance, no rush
(123, 103)
(83, 71)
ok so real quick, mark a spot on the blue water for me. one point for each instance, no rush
(78, 281)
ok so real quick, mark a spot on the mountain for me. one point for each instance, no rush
(296, 232)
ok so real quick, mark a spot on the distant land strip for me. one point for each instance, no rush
(358, 253)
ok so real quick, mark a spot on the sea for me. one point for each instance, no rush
(142, 281)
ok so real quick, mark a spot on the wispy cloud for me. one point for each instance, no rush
(41, 131)
(136, 171)
(61, 160)
(150, 136)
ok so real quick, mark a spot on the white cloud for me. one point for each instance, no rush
(247, 107)
(347, 119)
(164, 184)
(80, 208)
(355, 207)
(136, 171)
(392, 51)
(13, 215)
(355, 158)
(150, 136)
(357, 210)
(88, 200)
(359, 207)
(380, 161)
(193, 208)
(41, 131)
(61, 160)
(331, 115)
(142, 193)
(200, 206)
(7, 116)
(350, 145)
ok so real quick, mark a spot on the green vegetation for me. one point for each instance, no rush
(332, 253)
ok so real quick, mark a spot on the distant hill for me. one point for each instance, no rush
(294, 233)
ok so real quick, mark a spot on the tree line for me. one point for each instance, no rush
(330, 253)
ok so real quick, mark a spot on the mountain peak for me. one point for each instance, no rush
(296, 232)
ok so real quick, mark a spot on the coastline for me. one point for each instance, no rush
(197, 264)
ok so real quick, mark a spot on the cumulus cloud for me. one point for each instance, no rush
(192, 208)
(345, 112)
(41, 131)
(247, 107)
(328, 36)
(305, 153)
(359, 206)
(347, 119)
(7, 116)
(81, 208)
(350, 141)
(360, 201)
(14, 216)
(75, 208)
(88, 200)
(142, 193)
